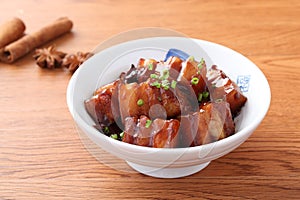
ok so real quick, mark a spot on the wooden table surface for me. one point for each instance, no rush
(42, 155)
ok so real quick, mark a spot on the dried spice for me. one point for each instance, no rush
(49, 57)
(26, 44)
(73, 61)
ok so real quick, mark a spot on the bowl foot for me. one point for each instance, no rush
(167, 172)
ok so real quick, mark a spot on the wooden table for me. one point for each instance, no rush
(41, 153)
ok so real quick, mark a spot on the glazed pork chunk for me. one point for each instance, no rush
(158, 133)
(102, 106)
(190, 71)
(221, 87)
(213, 122)
(141, 73)
(139, 99)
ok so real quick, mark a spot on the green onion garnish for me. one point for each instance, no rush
(200, 97)
(195, 81)
(140, 102)
(155, 76)
(202, 61)
(166, 87)
(173, 84)
(150, 66)
(106, 130)
(200, 65)
(122, 135)
(165, 84)
(165, 75)
(156, 84)
(191, 58)
(205, 94)
(114, 136)
(148, 123)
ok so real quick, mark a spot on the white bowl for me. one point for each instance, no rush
(105, 67)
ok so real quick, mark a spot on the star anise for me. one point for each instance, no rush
(73, 61)
(49, 57)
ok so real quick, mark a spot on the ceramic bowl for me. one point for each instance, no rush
(106, 65)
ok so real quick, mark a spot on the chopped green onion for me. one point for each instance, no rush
(140, 102)
(114, 136)
(156, 84)
(159, 98)
(191, 58)
(173, 84)
(166, 87)
(148, 123)
(165, 84)
(165, 75)
(205, 94)
(195, 81)
(106, 130)
(155, 76)
(200, 97)
(202, 61)
(150, 66)
(122, 135)
(200, 65)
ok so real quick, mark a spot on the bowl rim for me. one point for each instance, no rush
(224, 142)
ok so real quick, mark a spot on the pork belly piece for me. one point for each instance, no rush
(222, 87)
(170, 103)
(213, 122)
(165, 133)
(179, 100)
(194, 73)
(130, 76)
(141, 73)
(127, 98)
(145, 67)
(174, 64)
(137, 99)
(145, 99)
(130, 128)
(102, 106)
(158, 133)
(151, 96)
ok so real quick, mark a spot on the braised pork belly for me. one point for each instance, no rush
(167, 104)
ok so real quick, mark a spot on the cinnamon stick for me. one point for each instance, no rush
(11, 30)
(21, 47)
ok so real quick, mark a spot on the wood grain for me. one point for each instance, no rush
(41, 151)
